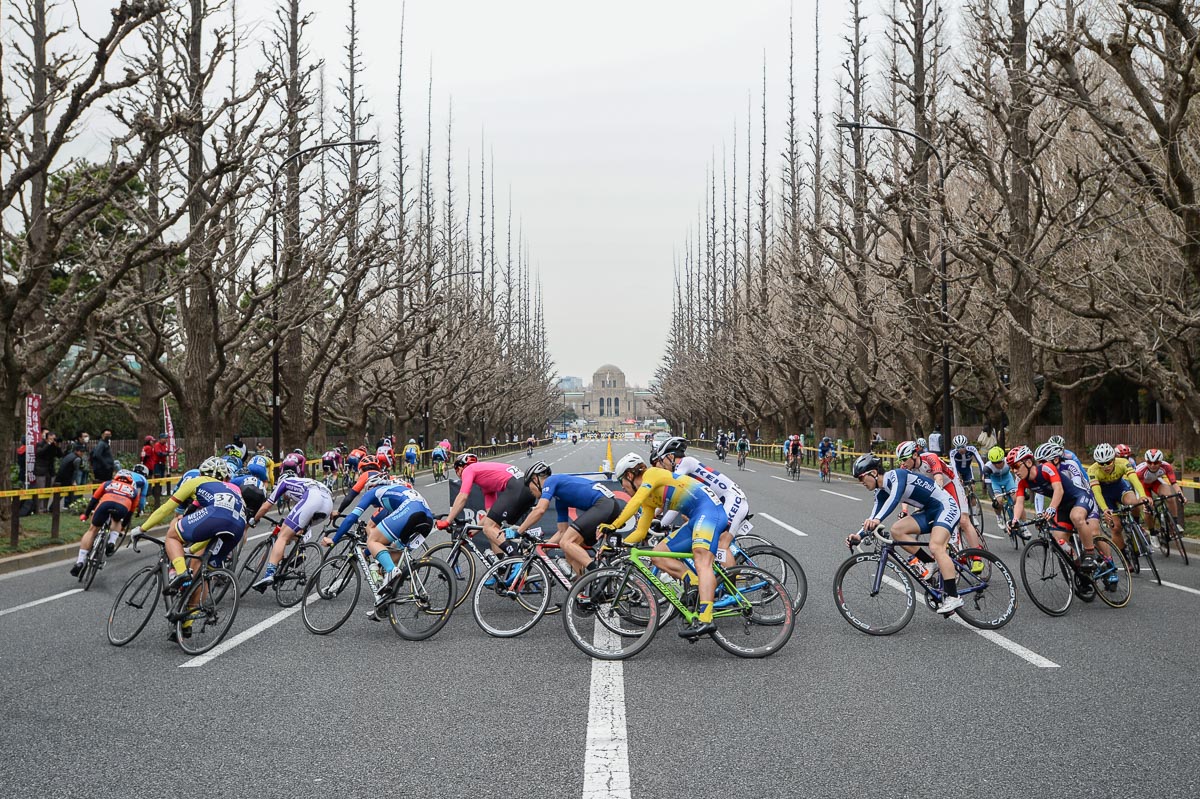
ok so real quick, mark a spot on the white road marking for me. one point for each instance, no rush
(843, 496)
(784, 479)
(784, 525)
(748, 470)
(606, 762)
(41, 601)
(1176, 586)
(33, 569)
(997, 537)
(241, 638)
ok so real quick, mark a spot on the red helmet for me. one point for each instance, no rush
(465, 459)
(1018, 454)
(1154, 456)
(370, 462)
(1123, 451)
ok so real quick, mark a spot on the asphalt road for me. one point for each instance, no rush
(1098, 703)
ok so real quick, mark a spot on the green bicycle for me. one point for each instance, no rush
(612, 613)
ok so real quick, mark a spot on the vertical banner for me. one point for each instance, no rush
(172, 459)
(33, 432)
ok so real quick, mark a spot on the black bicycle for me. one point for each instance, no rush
(96, 556)
(202, 611)
(463, 555)
(1137, 542)
(974, 506)
(300, 561)
(1170, 531)
(1053, 576)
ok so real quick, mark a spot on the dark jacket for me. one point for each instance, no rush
(44, 456)
(102, 461)
(68, 469)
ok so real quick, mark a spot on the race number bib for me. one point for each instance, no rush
(515, 472)
(603, 490)
(225, 501)
(745, 528)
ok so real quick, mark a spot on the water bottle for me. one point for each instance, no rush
(564, 567)
(1065, 543)
(376, 572)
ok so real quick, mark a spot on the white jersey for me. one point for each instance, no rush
(732, 498)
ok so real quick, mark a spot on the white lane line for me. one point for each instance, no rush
(997, 537)
(784, 525)
(41, 601)
(784, 479)
(1028, 655)
(748, 470)
(1176, 586)
(606, 762)
(33, 569)
(240, 638)
(836, 494)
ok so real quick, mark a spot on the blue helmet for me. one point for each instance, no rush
(258, 466)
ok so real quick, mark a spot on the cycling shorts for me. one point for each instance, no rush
(512, 503)
(253, 497)
(410, 457)
(328, 465)
(1085, 501)
(352, 463)
(702, 531)
(937, 515)
(1161, 484)
(438, 457)
(1003, 484)
(205, 523)
(737, 508)
(107, 512)
(406, 522)
(1112, 492)
(313, 508)
(602, 512)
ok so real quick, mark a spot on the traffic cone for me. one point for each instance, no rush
(608, 460)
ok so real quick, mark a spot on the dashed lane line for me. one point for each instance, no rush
(997, 537)
(784, 479)
(843, 496)
(41, 601)
(606, 761)
(241, 638)
(784, 525)
(1176, 586)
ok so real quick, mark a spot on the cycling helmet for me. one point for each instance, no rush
(675, 445)
(795, 436)
(867, 462)
(959, 441)
(905, 450)
(377, 480)
(1123, 451)
(630, 463)
(1047, 452)
(297, 451)
(231, 448)
(287, 473)
(996, 455)
(142, 470)
(1104, 453)
(368, 463)
(1059, 440)
(215, 467)
(1018, 454)
(465, 459)
(1153, 456)
(922, 443)
(412, 441)
(538, 469)
(827, 440)
(117, 466)
(124, 476)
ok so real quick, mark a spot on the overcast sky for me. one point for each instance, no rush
(601, 116)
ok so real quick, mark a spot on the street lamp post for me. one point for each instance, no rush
(947, 406)
(276, 410)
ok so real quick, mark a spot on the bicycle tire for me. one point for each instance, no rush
(140, 594)
(792, 576)
(975, 511)
(1140, 541)
(596, 624)
(759, 608)
(888, 623)
(994, 581)
(337, 579)
(94, 561)
(291, 581)
(215, 606)
(462, 563)
(1115, 566)
(505, 609)
(1045, 567)
(423, 603)
(252, 566)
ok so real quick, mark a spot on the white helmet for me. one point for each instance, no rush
(959, 441)
(905, 450)
(216, 467)
(630, 461)
(1104, 453)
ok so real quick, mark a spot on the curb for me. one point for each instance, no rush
(24, 560)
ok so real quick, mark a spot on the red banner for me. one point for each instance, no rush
(172, 459)
(33, 432)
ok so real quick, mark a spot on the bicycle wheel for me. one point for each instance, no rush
(1048, 578)
(212, 607)
(759, 619)
(134, 606)
(95, 560)
(783, 567)
(423, 603)
(252, 566)
(989, 597)
(976, 512)
(597, 609)
(331, 594)
(291, 582)
(462, 565)
(882, 613)
(1111, 578)
(511, 604)
(1140, 546)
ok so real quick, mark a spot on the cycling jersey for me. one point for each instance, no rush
(1153, 480)
(143, 487)
(1108, 485)
(438, 454)
(253, 490)
(492, 478)
(998, 478)
(935, 507)
(568, 491)
(410, 453)
(732, 498)
(204, 493)
(825, 449)
(743, 445)
(331, 460)
(312, 501)
(662, 489)
(394, 500)
(260, 467)
(357, 488)
(293, 461)
(961, 460)
(115, 498)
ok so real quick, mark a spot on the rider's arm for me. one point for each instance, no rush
(889, 495)
(353, 516)
(535, 515)
(182, 495)
(99, 492)
(1095, 482)
(1137, 483)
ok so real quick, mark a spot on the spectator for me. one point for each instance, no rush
(877, 442)
(935, 441)
(45, 454)
(986, 439)
(102, 458)
(149, 457)
(162, 456)
(70, 471)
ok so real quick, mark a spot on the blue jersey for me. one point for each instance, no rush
(999, 478)
(914, 488)
(410, 453)
(259, 466)
(825, 449)
(568, 491)
(438, 454)
(247, 480)
(391, 498)
(235, 463)
(143, 487)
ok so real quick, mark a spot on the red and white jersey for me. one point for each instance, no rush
(1152, 473)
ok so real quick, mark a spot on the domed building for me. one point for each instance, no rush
(608, 401)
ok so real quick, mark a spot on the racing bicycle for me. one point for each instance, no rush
(300, 561)
(1169, 530)
(1052, 574)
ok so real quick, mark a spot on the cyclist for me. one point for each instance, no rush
(826, 451)
(962, 457)
(936, 470)
(529, 443)
(113, 503)
(356, 455)
(1158, 478)
(312, 504)
(439, 456)
(294, 462)
(743, 448)
(331, 462)
(999, 483)
(445, 445)
(253, 488)
(722, 444)
(411, 453)
(210, 506)
(403, 515)
(1123, 451)
(505, 498)
(260, 467)
(1069, 506)
(141, 479)
(922, 445)
(593, 503)
(707, 527)
(671, 456)
(1114, 483)
(936, 513)
(385, 454)
(368, 467)
(233, 457)
(793, 449)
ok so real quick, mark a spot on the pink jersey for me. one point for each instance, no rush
(490, 477)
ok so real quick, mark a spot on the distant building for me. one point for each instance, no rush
(608, 401)
(570, 384)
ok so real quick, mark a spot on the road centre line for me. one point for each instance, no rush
(997, 537)
(41, 601)
(784, 525)
(1176, 586)
(843, 496)
(606, 761)
(240, 638)
(784, 479)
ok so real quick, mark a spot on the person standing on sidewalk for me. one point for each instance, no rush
(45, 455)
(102, 458)
(70, 471)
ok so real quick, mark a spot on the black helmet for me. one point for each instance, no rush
(675, 445)
(539, 469)
(867, 462)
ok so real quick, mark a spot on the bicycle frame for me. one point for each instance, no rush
(639, 559)
(936, 590)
